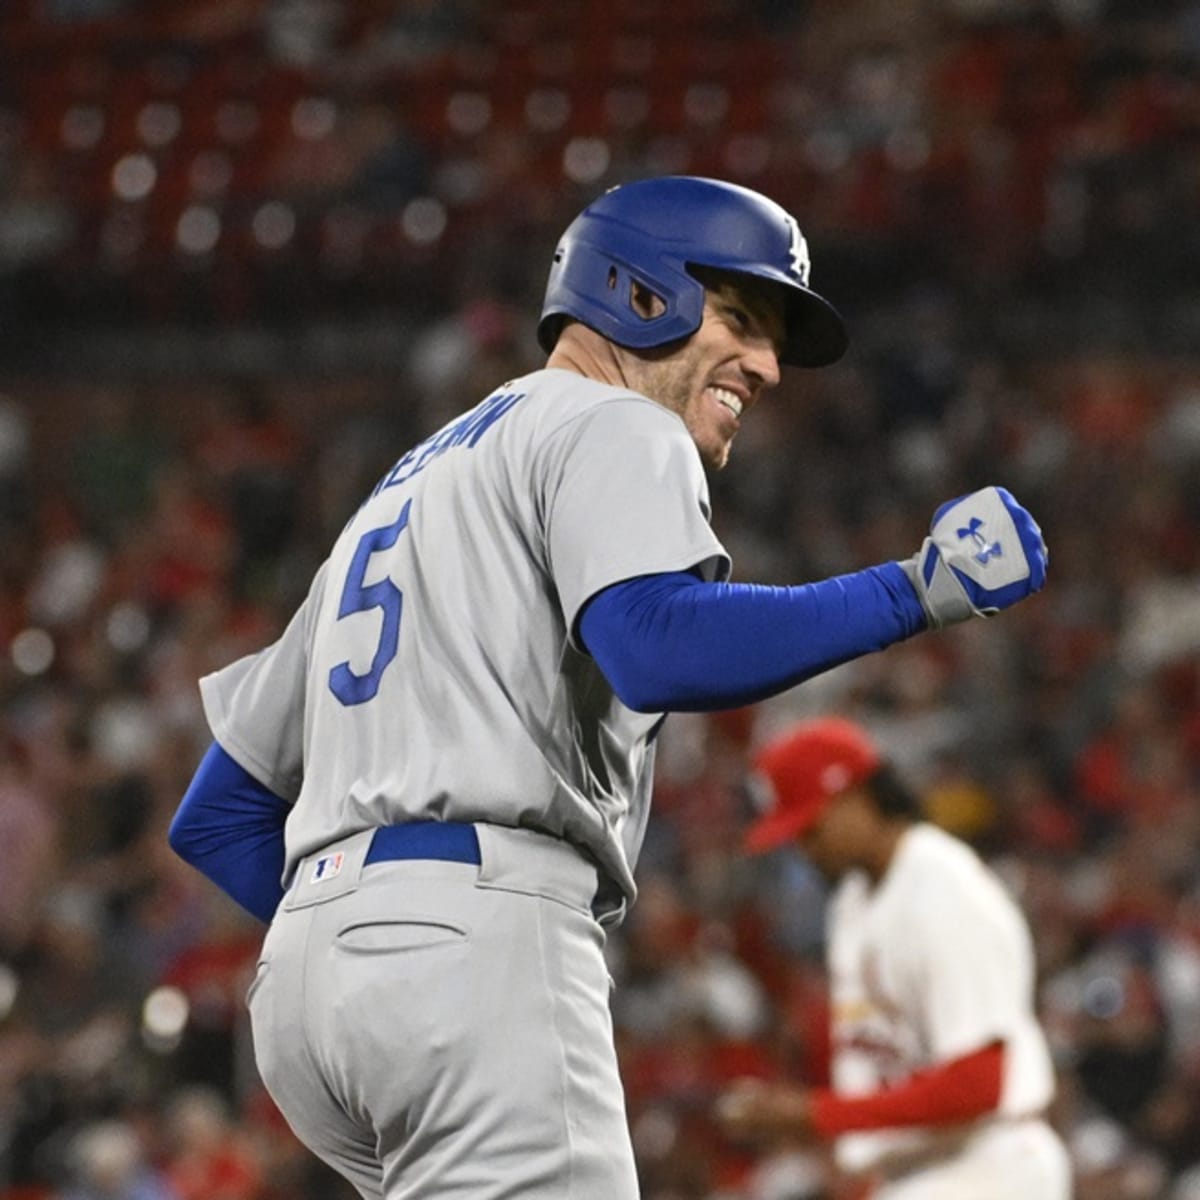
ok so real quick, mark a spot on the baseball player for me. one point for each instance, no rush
(941, 1072)
(435, 784)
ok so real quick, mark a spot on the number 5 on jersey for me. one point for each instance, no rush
(344, 683)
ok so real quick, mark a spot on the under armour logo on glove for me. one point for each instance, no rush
(986, 549)
(984, 553)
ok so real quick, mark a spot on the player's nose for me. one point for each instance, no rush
(760, 362)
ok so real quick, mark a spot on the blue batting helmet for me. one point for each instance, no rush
(652, 232)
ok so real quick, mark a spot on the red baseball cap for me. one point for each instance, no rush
(804, 769)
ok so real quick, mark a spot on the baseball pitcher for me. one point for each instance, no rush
(941, 1072)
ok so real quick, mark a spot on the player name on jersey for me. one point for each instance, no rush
(467, 430)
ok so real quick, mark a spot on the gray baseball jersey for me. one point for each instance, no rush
(431, 671)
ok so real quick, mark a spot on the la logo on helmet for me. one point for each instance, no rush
(798, 250)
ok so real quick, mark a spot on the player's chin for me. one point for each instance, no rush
(715, 452)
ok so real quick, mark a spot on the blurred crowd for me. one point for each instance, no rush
(1000, 194)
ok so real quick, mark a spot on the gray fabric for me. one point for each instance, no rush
(549, 491)
(441, 1029)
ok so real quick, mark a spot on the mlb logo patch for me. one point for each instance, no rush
(326, 867)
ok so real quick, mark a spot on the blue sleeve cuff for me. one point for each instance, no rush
(230, 828)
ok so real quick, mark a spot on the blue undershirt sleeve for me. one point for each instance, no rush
(673, 642)
(230, 828)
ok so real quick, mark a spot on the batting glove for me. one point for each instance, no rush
(984, 552)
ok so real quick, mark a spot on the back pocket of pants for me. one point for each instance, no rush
(394, 936)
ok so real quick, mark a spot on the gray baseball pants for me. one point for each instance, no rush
(438, 1029)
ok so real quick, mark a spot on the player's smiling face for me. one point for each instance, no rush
(718, 373)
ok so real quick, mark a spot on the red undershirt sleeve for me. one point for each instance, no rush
(948, 1094)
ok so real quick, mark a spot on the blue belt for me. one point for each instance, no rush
(450, 841)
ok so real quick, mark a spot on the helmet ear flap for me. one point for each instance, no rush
(627, 293)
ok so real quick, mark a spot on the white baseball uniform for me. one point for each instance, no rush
(933, 962)
(440, 1028)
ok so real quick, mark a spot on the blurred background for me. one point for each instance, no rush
(252, 250)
